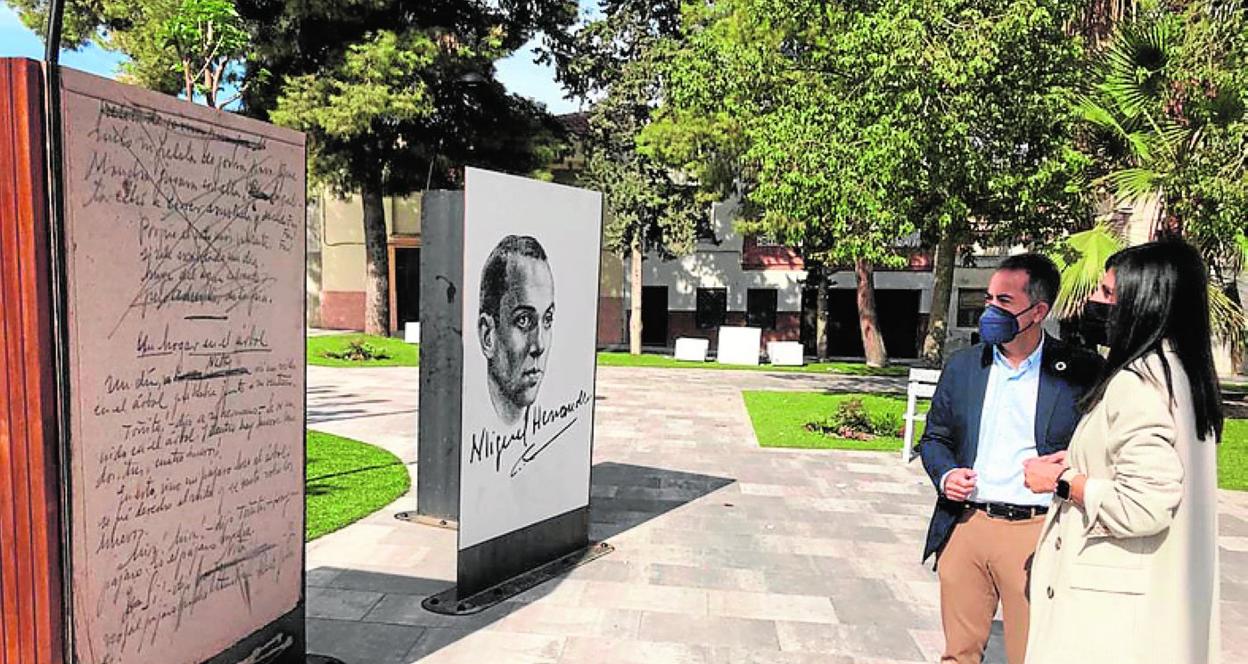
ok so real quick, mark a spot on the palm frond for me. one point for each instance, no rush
(1141, 145)
(1133, 70)
(1081, 259)
(1227, 319)
(1094, 113)
(1133, 184)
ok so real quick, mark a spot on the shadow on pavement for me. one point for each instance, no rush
(365, 617)
(624, 496)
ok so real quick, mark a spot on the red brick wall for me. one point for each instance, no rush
(611, 321)
(342, 310)
(685, 324)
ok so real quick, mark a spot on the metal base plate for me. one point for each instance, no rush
(412, 517)
(448, 602)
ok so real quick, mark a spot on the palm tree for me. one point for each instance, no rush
(1081, 259)
(1158, 133)
(1130, 132)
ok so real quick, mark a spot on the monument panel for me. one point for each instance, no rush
(529, 332)
(185, 246)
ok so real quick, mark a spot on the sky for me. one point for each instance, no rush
(518, 72)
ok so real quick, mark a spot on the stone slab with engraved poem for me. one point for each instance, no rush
(185, 267)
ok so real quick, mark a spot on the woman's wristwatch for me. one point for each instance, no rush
(1063, 485)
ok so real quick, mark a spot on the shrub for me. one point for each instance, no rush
(852, 420)
(358, 351)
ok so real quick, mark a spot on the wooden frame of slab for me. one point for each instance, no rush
(31, 609)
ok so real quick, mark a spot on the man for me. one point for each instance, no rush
(517, 312)
(1011, 398)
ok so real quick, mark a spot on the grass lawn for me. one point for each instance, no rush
(348, 480)
(780, 419)
(848, 368)
(1233, 456)
(401, 353)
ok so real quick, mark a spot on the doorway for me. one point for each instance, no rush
(654, 316)
(406, 285)
(899, 319)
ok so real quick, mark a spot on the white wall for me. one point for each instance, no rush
(720, 269)
(920, 281)
(719, 266)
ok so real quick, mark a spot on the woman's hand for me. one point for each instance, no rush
(1040, 475)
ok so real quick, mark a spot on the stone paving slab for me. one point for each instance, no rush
(725, 552)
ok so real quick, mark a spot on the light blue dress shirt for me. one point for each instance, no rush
(1007, 432)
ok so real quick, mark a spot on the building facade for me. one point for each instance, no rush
(733, 279)
(337, 267)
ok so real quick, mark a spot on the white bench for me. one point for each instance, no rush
(922, 385)
(785, 353)
(692, 349)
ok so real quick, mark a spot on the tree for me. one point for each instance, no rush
(369, 134)
(398, 97)
(1165, 121)
(355, 112)
(614, 61)
(858, 127)
(196, 47)
(208, 39)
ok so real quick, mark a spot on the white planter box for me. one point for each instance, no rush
(739, 345)
(785, 353)
(692, 349)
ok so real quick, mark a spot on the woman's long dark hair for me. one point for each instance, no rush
(1162, 290)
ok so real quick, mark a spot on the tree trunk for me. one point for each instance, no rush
(377, 285)
(868, 321)
(634, 283)
(821, 316)
(942, 290)
(1237, 350)
(188, 83)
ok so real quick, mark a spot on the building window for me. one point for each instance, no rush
(970, 306)
(760, 305)
(705, 231)
(712, 307)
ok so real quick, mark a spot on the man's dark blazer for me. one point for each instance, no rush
(951, 437)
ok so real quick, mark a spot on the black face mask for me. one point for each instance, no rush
(1094, 322)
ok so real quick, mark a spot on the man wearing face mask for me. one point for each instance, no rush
(1011, 398)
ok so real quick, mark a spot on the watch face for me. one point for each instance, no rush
(1063, 489)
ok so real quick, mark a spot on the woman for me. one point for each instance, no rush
(1126, 568)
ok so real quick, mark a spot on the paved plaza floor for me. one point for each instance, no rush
(725, 551)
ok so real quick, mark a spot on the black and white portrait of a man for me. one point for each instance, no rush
(529, 323)
(515, 323)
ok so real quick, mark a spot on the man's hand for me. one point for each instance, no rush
(959, 484)
(1040, 475)
(1056, 457)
